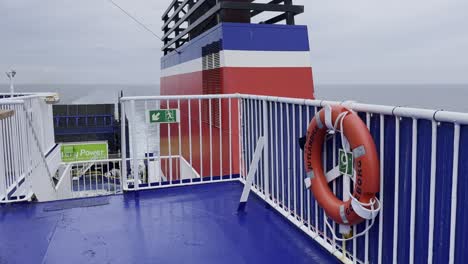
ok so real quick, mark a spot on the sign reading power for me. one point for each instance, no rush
(84, 151)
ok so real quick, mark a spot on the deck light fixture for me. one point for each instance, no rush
(11, 75)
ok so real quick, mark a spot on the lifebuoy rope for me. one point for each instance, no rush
(374, 213)
(359, 208)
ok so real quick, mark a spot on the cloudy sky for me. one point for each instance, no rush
(360, 41)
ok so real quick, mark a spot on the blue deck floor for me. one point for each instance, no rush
(196, 224)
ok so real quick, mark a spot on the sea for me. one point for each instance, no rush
(449, 97)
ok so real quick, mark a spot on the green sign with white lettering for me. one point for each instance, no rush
(346, 163)
(84, 151)
(164, 116)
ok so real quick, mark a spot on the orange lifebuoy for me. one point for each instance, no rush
(366, 164)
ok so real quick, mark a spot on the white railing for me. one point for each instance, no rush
(201, 148)
(25, 140)
(22, 157)
(41, 116)
(89, 179)
(419, 150)
(13, 160)
(421, 153)
(421, 164)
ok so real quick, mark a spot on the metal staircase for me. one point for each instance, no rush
(26, 169)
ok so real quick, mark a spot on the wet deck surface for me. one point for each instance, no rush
(196, 224)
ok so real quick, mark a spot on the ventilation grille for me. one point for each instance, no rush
(211, 61)
(211, 82)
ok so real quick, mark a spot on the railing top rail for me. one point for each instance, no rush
(21, 96)
(179, 97)
(91, 161)
(400, 111)
(81, 116)
(8, 95)
(11, 102)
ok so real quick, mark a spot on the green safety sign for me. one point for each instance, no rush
(346, 162)
(164, 116)
(85, 151)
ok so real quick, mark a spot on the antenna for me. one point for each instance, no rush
(139, 22)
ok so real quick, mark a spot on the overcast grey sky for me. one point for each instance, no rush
(360, 41)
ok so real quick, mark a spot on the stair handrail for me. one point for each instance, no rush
(38, 145)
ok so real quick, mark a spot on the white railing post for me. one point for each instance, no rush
(50, 127)
(382, 173)
(3, 186)
(397, 183)
(414, 162)
(432, 193)
(265, 151)
(134, 155)
(240, 122)
(454, 196)
(123, 146)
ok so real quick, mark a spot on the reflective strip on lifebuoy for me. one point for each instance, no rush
(366, 164)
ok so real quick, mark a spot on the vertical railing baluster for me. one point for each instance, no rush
(270, 147)
(147, 124)
(315, 200)
(230, 137)
(397, 183)
(432, 193)
(301, 168)
(277, 173)
(258, 131)
(282, 156)
(133, 138)
(382, 174)
(123, 146)
(248, 130)
(220, 140)
(189, 102)
(414, 156)
(210, 125)
(309, 222)
(179, 163)
(266, 165)
(294, 172)
(334, 163)
(2, 164)
(453, 206)
(119, 177)
(324, 164)
(169, 136)
(366, 237)
(288, 164)
(240, 121)
(200, 116)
